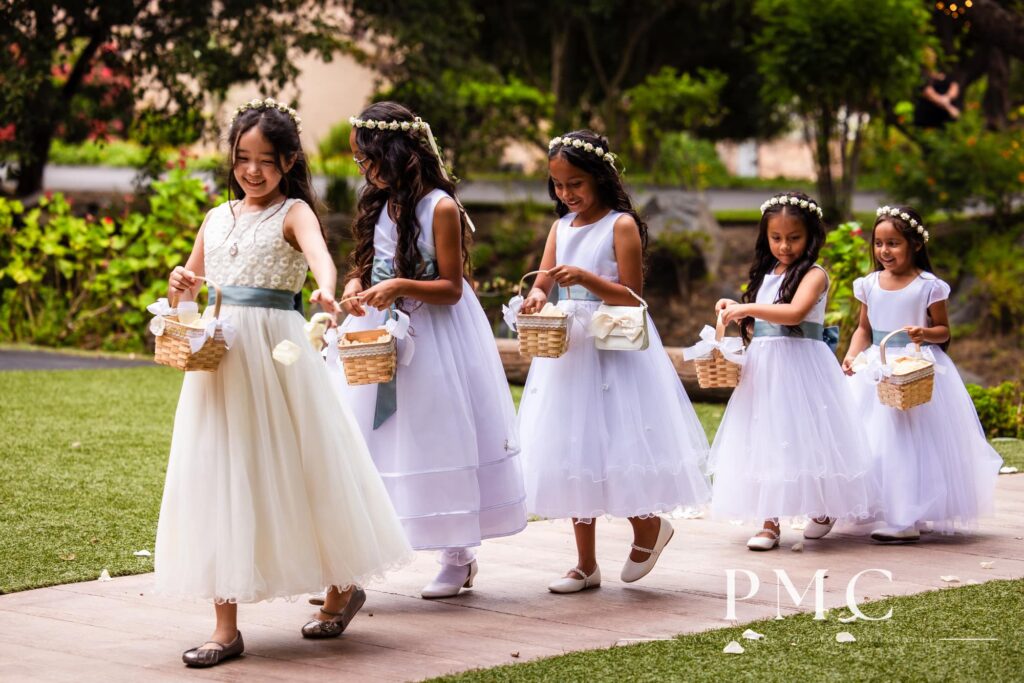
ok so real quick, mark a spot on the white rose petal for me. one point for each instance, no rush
(733, 648)
(1007, 470)
(987, 565)
(950, 579)
(752, 635)
(104, 576)
(287, 352)
(142, 553)
(844, 637)
(797, 547)
(972, 582)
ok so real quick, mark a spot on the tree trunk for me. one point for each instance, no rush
(997, 101)
(820, 131)
(1000, 27)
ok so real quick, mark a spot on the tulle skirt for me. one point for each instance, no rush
(609, 432)
(449, 456)
(934, 462)
(270, 489)
(791, 442)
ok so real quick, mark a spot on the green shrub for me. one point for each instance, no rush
(997, 264)
(1000, 409)
(690, 162)
(847, 256)
(86, 281)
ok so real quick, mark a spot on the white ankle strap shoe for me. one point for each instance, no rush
(764, 542)
(568, 584)
(634, 571)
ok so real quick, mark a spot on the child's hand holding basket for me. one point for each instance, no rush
(717, 358)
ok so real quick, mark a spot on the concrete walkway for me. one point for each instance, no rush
(19, 359)
(117, 631)
(121, 180)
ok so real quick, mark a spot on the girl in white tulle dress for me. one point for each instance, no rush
(934, 463)
(604, 432)
(270, 489)
(442, 433)
(790, 443)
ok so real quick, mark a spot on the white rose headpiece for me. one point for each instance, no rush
(784, 199)
(269, 103)
(905, 217)
(577, 143)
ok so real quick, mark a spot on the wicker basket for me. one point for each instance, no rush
(366, 360)
(541, 336)
(904, 391)
(715, 371)
(173, 348)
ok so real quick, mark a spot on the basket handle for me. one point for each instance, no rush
(522, 280)
(719, 328)
(885, 339)
(173, 300)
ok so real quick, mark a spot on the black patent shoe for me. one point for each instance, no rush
(333, 627)
(203, 657)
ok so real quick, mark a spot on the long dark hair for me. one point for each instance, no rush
(610, 190)
(910, 233)
(764, 262)
(405, 164)
(283, 135)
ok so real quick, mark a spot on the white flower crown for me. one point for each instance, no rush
(585, 146)
(269, 103)
(414, 125)
(892, 211)
(792, 201)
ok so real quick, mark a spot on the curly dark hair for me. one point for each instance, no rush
(282, 133)
(610, 190)
(406, 166)
(765, 262)
(913, 237)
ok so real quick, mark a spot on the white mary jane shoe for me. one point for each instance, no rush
(567, 584)
(815, 529)
(450, 581)
(762, 542)
(634, 571)
(892, 534)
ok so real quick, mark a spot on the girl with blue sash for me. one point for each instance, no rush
(936, 468)
(605, 432)
(442, 433)
(270, 491)
(789, 443)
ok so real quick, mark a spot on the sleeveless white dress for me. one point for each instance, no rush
(934, 461)
(270, 489)
(449, 455)
(607, 432)
(790, 442)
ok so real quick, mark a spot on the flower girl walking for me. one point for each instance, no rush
(934, 462)
(270, 490)
(790, 442)
(442, 432)
(604, 432)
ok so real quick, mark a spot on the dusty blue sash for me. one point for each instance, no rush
(576, 292)
(829, 335)
(387, 393)
(257, 297)
(899, 339)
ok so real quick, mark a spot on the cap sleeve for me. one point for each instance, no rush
(860, 289)
(939, 291)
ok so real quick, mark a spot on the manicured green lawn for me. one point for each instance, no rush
(82, 461)
(908, 647)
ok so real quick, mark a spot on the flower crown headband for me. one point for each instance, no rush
(784, 199)
(269, 103)
(903, 215)
(567, 141)
(415, 126)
